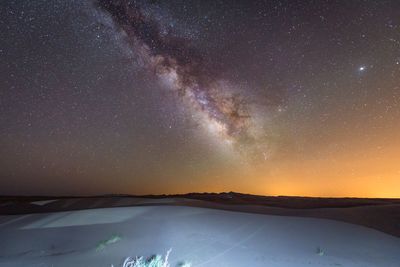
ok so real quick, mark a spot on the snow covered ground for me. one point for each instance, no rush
(204, 237)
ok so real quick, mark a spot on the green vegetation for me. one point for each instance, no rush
(102, 244)
(320, 252)
(155, 261)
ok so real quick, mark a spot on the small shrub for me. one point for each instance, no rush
(320, 252)
(155, 261)
(103, 243)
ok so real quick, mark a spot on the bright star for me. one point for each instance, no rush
(362, 68)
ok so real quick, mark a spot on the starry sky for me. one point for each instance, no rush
(138, 97)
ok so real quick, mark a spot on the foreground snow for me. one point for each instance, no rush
(204, 237)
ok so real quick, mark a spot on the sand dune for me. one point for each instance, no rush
(205, 237)
(379, 214)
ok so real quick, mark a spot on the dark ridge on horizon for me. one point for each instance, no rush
(190, 194)
(234, 198)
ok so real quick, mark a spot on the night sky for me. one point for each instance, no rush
(263, 97)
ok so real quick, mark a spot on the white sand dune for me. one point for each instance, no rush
(205, 237)
(43, 202)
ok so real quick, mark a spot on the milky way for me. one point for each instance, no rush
(215, 103)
